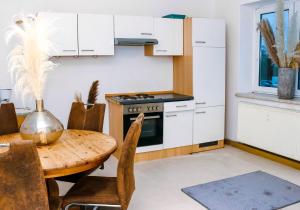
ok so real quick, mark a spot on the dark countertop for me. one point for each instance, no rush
(158, 98)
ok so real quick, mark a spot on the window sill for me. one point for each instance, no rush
(268, 98)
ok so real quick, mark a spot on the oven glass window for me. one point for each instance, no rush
(152, 130)
(149, 128)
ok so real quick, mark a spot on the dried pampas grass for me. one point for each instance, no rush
(29, 59)
(78, 97)
(281, 55)
(93, 94)
(268, 35)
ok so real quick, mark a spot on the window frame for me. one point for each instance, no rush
(255, 77)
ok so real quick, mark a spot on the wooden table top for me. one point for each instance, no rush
(76, 151)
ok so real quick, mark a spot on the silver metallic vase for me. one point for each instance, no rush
(41, 126)
(286, 83)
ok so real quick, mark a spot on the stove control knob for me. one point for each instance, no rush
(129, 109)
(139, 109)
(157, 107)
(134, 109)
(148, 107)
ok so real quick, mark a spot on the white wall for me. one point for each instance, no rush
(129, 70)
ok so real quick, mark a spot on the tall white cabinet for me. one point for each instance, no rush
(208, 41)
(201, 73)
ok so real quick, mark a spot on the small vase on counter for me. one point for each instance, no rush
(286, 83)
(41, 126)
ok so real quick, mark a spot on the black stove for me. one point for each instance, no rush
(143, 98)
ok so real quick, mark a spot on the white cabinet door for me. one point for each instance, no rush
(133, 26)
(178, 129)
(208, 124)
(64, 36)
(95, 34)
(169, 33)
(209, 76)
(208, 32)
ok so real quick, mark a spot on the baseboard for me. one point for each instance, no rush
(166, 153)
(262, 153)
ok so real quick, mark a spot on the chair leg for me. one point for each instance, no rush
(68, 206)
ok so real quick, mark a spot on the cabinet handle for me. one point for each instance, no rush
(144, 34)
(200, 42)
(200, 103)
(204, 112)
(87, 50)
(174, 115)
(69, 50)
(161, 50)
(181, 106)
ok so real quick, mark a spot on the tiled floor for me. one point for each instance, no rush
(158, 183)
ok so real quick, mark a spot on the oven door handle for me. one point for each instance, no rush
(146, 118)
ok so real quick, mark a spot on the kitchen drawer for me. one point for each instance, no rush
(208, 124)
(178, 106)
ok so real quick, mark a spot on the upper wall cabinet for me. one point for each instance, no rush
(169, 33)
(95, 34)
(208, 32)
(64, 37)
(133, 26)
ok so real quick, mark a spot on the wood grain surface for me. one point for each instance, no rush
(76, 151)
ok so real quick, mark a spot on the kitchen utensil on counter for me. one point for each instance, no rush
(5, 95)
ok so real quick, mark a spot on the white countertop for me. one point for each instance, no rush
(268, 97)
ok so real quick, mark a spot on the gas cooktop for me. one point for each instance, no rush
(143, 98)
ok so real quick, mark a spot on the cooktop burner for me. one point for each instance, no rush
(142, 98)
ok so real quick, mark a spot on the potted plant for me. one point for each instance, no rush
(285, 55)
(29, 64)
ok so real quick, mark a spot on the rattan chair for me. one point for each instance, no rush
(22, 183)
(110, 191)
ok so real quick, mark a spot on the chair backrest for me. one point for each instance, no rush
(125, 173)
(90, 119)
(8, 119)
(22, 184)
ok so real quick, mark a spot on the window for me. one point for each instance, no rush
(268, 72)
(265, 73)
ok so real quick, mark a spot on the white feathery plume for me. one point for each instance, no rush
(279, 34)
(292, 35)
(29, 60)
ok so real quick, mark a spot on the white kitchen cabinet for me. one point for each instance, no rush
(178, 124)
(133, 26)
(207, 32)
(209, 76)
(169, 33)
(270, 128)
(208, 124)
(64, 36)
(95, 34)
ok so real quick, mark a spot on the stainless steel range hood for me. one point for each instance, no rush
(135, 41)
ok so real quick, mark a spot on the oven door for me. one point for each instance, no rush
(152, 130)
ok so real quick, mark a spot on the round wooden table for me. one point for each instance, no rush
(76, 151)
